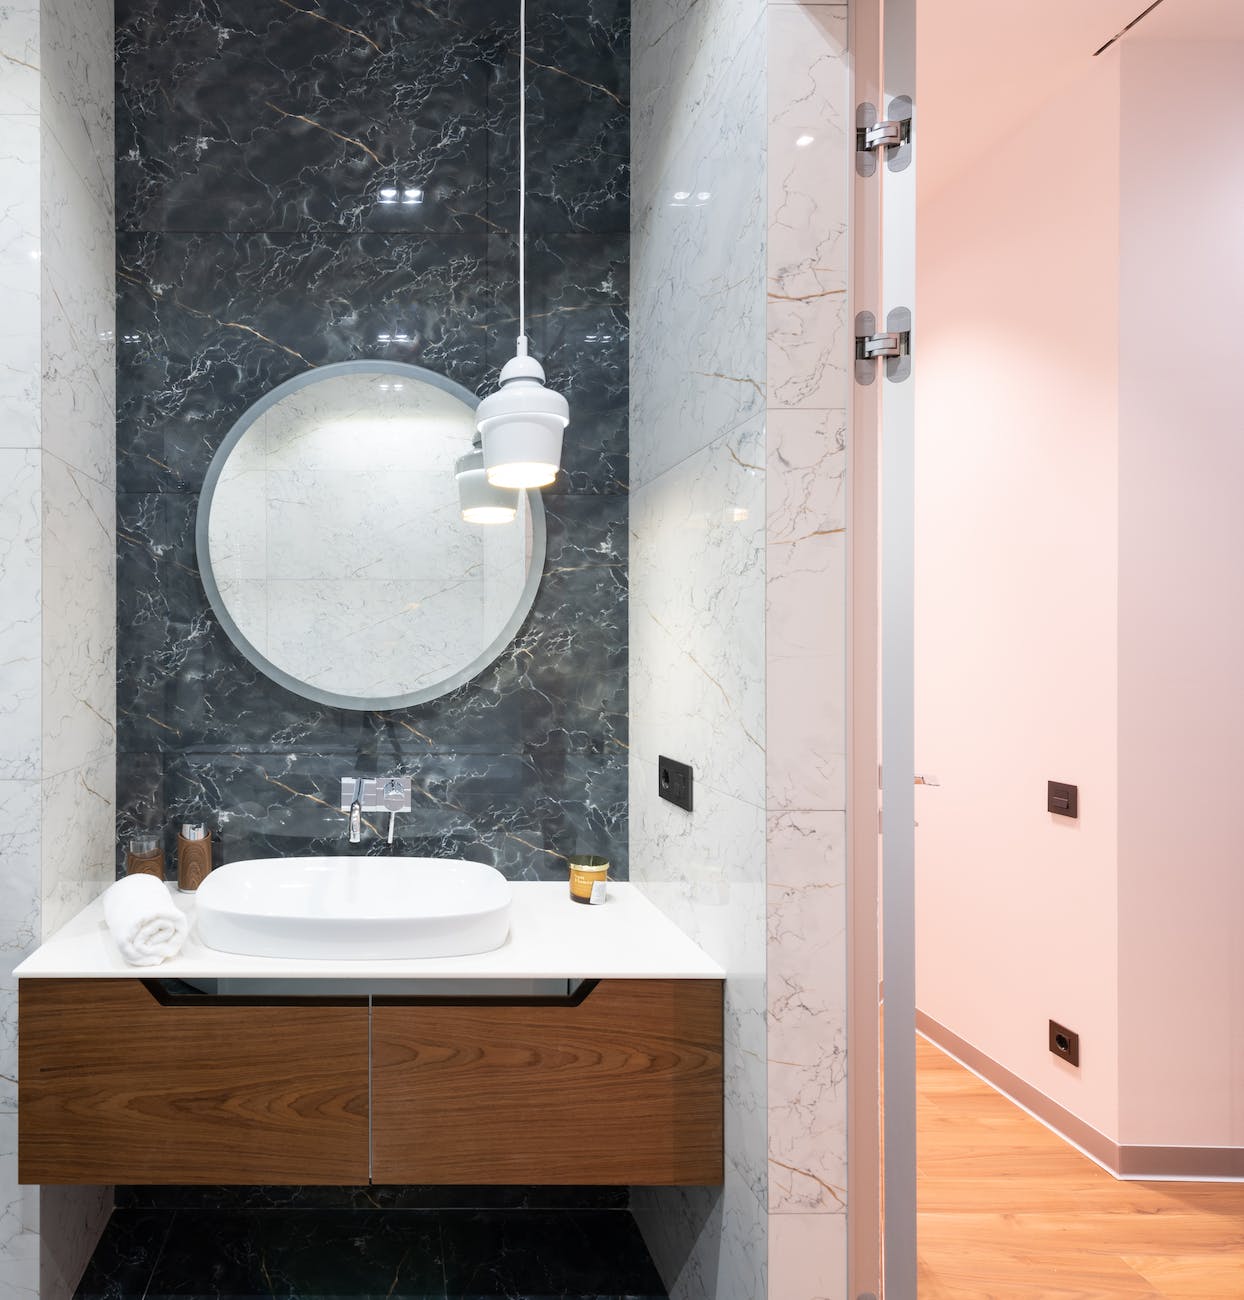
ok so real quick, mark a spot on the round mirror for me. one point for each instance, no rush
(332, 543)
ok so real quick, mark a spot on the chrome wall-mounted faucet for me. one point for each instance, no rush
(360, 794)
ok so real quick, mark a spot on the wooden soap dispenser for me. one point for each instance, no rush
(194, 856)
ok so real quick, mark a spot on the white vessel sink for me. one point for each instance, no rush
(354, 909)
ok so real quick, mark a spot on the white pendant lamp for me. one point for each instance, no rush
(521, 424)
(480, 501)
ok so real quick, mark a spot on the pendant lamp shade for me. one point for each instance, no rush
(521, 427)
(521, 424)
(480, 501)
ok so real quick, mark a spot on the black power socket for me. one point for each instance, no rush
(674, 782)
(1065, 1043)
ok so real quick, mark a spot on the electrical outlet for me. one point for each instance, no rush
(674, 782)
(1065, 1043)
(1061, 799)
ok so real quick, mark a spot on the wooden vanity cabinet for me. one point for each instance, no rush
(123, 1082)
(621, 1084)
(116, 1086)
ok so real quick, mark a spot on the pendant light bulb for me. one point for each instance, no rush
(521, 427)
(521, 424)
(479, 500)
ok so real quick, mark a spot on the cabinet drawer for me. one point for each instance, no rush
(116, 1086)
(621, 1086)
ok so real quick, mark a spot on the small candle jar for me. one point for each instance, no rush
(144, 857)
(588, 877)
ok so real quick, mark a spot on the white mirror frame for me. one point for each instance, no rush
(434, 691)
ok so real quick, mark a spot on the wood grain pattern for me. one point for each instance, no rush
(116, 1088)
(1007, 1209)
(624, 1088)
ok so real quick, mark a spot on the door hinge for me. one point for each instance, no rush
(883, 135)
(891, 345)
(890, 136)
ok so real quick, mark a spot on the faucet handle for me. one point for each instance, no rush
(376, 793)
(396, 796)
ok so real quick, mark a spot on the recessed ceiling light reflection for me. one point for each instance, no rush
(804, 141)
(388, 194)
(412, 196)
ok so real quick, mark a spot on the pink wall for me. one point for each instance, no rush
(1016, 608)
(1181, 599)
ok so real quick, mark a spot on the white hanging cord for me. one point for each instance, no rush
(522, 178)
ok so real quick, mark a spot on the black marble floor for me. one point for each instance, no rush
(370, 1254)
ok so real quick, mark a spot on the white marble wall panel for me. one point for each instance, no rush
(806, 604)
(19, 612)
(19, 279)
(705, 870)
(808, 1256)
(78, 286)
(19, 56)
(809, 356)
(79, 860)
(809, 351)
(697, 615)
(79, 618)
(807, 974)
(19, 917)
(19, 1238)
(697, 559)
(76, 364)
(697, 251)
(76, 94)
(20, 578)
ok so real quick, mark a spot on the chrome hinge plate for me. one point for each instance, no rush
(875, 135)
(891, 345)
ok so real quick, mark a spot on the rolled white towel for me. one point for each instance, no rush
(147, 925)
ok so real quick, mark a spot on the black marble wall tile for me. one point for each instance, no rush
(253, 142)
(377, 1253)
(208, 323)
(240, 116)
(578, 66)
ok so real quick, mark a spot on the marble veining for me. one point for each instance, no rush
(19, 275)
(698, 242)
(809, 355)
(362, 117)
(698, 555)
(20, 636)
(372, 1250)
(255, 247)
(809, 348)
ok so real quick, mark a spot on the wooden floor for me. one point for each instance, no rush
(1011, 1212)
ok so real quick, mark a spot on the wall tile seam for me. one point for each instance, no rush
(50, 138)
(91, 760)
(756, 417)
(86, 474)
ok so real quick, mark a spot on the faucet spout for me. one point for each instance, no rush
(356, 822)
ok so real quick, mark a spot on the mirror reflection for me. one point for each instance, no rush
(338, 545)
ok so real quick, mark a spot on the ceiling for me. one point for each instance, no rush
(985, 66)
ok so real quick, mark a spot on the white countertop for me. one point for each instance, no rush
(550, 938)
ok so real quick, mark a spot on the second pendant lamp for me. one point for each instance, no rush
(522, 423)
